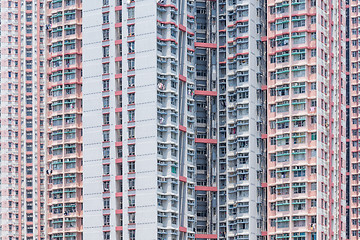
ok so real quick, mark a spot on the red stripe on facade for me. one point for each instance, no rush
(206, 140)
(205, 93)
(206, 188)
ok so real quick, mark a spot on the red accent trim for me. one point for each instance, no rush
(206, 236)
(117, 144)
(118, 194)
(182, 179)
(172, 23)
(183, 229)
(118, 109)
(119, 177)
(205, 188)
(182, 78)
(182, 28)
(263, 136)
(205, 45)
(168, 5)
(205, 93)
(118, 126)
(118, 211)
(238, 54)
(264, 184)
(119, 228)
(264, 87)
(182, 128)
(264, 233)
(167, 40)
(264, 38)
(206, 140)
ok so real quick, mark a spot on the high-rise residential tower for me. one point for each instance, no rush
(233, 120)
(174, 119)
(353, 123)
(64, 119)
(22, 190)
(306, 119)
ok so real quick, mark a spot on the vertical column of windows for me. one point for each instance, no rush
(64, 119)
(292, 105)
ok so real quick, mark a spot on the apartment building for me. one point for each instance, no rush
(353, 122)
(306, 105)
(64, 119)
(174, 119)
(22, 191)
(192, 130)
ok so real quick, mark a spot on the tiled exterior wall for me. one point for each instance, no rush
(22, 120)
(174, 116)
(64, 119)
(306, 120)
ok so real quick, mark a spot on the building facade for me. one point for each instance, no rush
(306, 108)
(174, 120)
(201, 120)
(353, 123)
(64, 119)
(22, 194)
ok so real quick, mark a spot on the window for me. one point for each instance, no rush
(131, 81)
(131, 30)
(105, 17)
(106, 102)
(106, 85)
(131, 12)
(131, 64)
(131, 132)
(131, 201)
(106, 34)
(106, 169)
(106, 235)
(106, 136)
(313, 119)
(313, 136)
(105, 2)
(312, 69)
(131, 98)
(106, 119)
(131, 217)
(106, 51)
(131, 149)
(313, 86)
(132, 183)
(131, 115)
(313, 19)
(106, 220)
(106, 68)
(106, 186)
(131, 47)
(106, 152)
(106, 203)
(131, 167)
